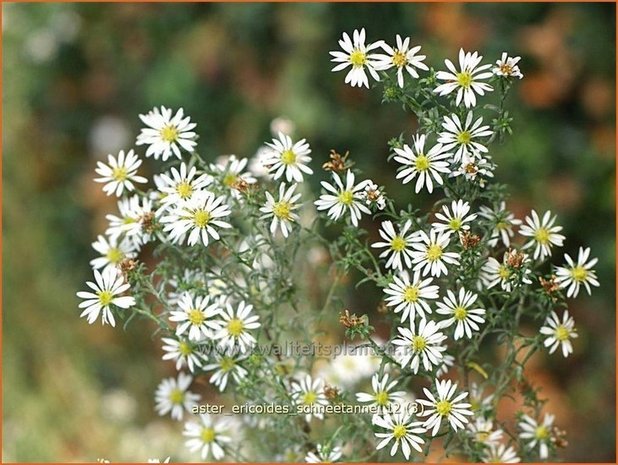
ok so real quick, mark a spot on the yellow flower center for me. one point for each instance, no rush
(434, 252)
(185, 349)
(541, 235)
(399, 431)
(398, 244)
(503, 272)
(482, 436)
(418, 343)
(474, 405)
(196, 317)
(444, 407)
(421, 163)
(502, 225)
(282, 210)
(169, 133)
(177, 396)
(288, 157)
(346, 198)
(184, 189)
(120, 173)
(235, 327)
(208, 435)
(562, 333)
(309, 397)
(464, 79)
(464, 138)
(105, 297)
(541, 433)
(400, 59)
(227, 364)
(579, 273)
(201, 218)
(382, 398)
(506, 69)
(455, 224)
(460, 313)
(229, 179)
(114, 255)
(358, 58)
(411, 294)
(128, 220)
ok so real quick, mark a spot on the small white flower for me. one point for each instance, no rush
(430, 256)
(466, 81)
(410, 296)
(180, 185)
(120, 173)
(458, 308)
(373, 195)
(107, 289)
(324, 454)
(207, 435)
(444, 405)
(543, 232)
(559, 333)
(499, 453)
(288, 158)
(398, 246)
(229, 171)
(464, 137)
(383, 394)
(356, 54)
(455, 219)
(340, 198)
(482, 431)
(224, 366)
(507, 66)
(572, 276)
(420, 344)
(447, 362)
(183, 351)
(479, 403)
(236, 324)
(173, 396)
(196, 316)
(309, 393)
(197, 216)
(165, 134)
(534, 433)
(494, 272)
(112, 252)
(474, 168)
(401, 57)
(130, 222)
(402, 429)
(503, 222)
(282, 211)
(426, 165)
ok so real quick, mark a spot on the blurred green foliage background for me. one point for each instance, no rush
(77, 75)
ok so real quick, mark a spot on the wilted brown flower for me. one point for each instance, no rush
(514, 258)
(147, 221)
(351, 321)
(331, 392)
(337, 162)
(469, 240)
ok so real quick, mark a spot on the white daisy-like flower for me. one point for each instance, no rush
(112, 252)
(282, 211)
(289, 158)
(573, 275)
(209, 436)
(410, 296)
(196, 316)
(130, 222)
(421, 343)
(543, 233)
(230, 171)
(463, 137)
(342, 198)
(459, 309)
(398, 245)
(226, 365)
(455, 219)
(172, 396)
(309, 394)
(356, 54)
(373, 195)
(474, 168)
(167, 460)
(324, 454)
(108, 287)
(403, 57)
(500, 453)
(425, 165)
(479, 402)
(447, 362)
(180, 185)
(537, 434)
(383, 394)
(559, 333)
(166, 135)
(445, 405)
(507, 66)
(120, 173)
(467, 81)
(483, 432)
(197, 216)
(236, 325)
(430, 254)
(402, 429)
(183, 352)
(503, 222)
(493, 273)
